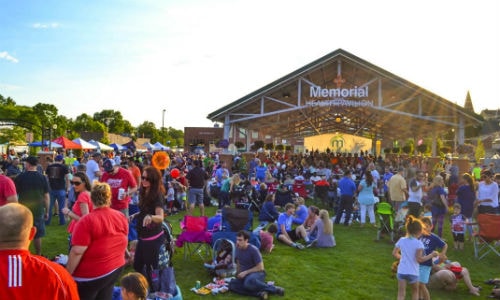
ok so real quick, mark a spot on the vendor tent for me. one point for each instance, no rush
(159, 146)
(84, 144)
(117, 147)
(67, 143)
(44, 144)
(101, 146)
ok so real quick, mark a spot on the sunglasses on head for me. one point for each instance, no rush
(76, 183)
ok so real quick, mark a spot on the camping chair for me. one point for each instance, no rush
(487, 239)
(195, 237)
(385, 215)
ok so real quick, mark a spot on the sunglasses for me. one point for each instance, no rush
(76, 183)
(144, 178)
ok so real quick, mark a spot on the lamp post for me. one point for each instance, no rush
(54, 127)
(163, 124)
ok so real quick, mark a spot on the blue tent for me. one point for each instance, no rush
(44, 144)
(117, 147)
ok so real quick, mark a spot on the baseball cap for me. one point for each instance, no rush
(59, 158)
(108, 165)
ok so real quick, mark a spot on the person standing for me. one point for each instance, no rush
(366, 197)
(409, 251)
(347, 189)
(8, 193)
(439, 203)
(83, 204)
(251, 276)
(397, 189)
(58, 175)
(415, 194)
(98, 247)
(386, 177)
(487, 194)
(196, 178)
(149, 222)
(93, 169)
(122, 185)
(466, 195)
(22, 274)
(33, 191)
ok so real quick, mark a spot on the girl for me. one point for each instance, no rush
(134, 286)
(170, 197)
(324, 230)
(439, 203)
(409, 251)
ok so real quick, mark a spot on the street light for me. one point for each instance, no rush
(54, 127)
(163, 119)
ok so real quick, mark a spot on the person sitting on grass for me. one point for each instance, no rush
(321, 232)
(267, 238)
(286, 233)
(251, 277)
(301, 211)
(446, 275)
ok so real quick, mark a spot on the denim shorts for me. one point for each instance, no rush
(410, 278)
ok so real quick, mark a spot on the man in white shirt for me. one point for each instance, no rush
(93, 168)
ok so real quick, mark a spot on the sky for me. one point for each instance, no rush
(191, 57)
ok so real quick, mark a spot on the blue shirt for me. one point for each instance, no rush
(347, 186)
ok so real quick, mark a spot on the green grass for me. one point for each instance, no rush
(357, 268)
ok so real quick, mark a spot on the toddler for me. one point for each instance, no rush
(458, 227)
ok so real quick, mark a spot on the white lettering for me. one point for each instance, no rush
(356, 92)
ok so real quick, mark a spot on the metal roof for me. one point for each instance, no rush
(341, 92)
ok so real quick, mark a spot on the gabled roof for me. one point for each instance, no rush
(400, 109)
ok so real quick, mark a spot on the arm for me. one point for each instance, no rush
(156, 218)
(46, 203)
(421, 258)
(443, 199)
(396, 253)
(75, 256)
(257, 268)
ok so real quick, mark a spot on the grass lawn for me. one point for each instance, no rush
(357, 268)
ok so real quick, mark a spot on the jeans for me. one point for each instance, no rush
(346, 203)
(60, 196)
(251, 285)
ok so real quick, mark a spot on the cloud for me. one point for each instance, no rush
(52, 25)
(7, 56)
(9, 87)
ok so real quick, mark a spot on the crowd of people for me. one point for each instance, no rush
(116, 205)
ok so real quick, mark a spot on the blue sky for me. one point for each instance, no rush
(192, 57)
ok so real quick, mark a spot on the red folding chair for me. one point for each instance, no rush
(487, 239)
(195, 237)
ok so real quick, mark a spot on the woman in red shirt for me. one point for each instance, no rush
(83, 204)
(98, 246)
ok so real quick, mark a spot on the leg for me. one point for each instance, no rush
(348, 209)
(61, 201)
(51, 207)
(363, 209)
(401, 289)
(301, 231)
(414, 290)
(467, 280)
(37, 243)
(371, 213)
(423, 292)
(192, 201)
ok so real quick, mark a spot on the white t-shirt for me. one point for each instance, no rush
(92, 168)
(408, 264)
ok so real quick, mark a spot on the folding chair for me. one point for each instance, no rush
(195, 237)
(234, 220)
(385, 214)
(487, 239)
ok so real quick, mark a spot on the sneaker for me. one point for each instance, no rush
(263, 295)
(280, 291)
(299, 246)
(310, 243)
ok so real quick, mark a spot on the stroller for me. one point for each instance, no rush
(385, 215)
(247, 197)
(222, 264)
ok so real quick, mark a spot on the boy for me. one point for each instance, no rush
(431, 243)
(458, 227)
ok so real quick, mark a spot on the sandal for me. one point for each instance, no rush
(492, 281)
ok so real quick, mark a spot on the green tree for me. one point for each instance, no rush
(480, 152)
(147, 130)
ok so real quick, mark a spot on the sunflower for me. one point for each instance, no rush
(160, 160)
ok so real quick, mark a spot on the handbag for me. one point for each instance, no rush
(163, 280)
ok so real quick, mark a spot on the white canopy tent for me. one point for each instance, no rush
(101, 146)
(84, 144)
(160, 146)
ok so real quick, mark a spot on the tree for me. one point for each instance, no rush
(147, 130)
(480, 152)
(239, 144)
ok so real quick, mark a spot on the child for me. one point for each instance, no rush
(134, 286)
(427, 211)
(266, 238)
(321, 233)
(431, 242)
(409, 250)
(170, 197)
(458, 227)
